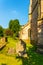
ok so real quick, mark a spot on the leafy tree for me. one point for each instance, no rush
(14, 25)
(1, 31)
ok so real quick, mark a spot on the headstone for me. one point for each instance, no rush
(21, 48)
(2, 43)
(6, 39)
(3, 39)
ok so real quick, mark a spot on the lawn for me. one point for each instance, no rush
(9, 60)
(32, 59)
(6, 58)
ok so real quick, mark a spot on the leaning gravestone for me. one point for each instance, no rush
(2, 40)
(21, 48)
(2, 43)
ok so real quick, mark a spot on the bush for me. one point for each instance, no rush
(8, 32)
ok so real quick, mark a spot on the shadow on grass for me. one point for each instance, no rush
(3, 64)
(33, 58)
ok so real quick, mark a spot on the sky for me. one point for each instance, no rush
(13, 9)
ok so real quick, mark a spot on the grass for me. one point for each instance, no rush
(10, 44)
(9, 59)
(32, 59)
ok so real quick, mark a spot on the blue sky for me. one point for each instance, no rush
(13, 9)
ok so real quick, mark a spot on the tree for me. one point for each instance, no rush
(14, 25)
(1, 31)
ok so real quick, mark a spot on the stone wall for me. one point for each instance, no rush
(40, 32)
(41, 8)
(34, 16)
(40, 24)
(25, 32)
(33, 30)
(37, 23)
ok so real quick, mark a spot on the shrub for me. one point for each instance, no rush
(8, 32)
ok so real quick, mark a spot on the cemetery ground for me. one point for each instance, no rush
(32, 58)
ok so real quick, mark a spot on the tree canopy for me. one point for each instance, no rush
(14, 25)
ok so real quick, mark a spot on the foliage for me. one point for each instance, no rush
(14, 25)
(8, 32)
(1, 31)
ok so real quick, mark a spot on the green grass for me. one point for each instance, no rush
(9, 59)
(10, 44)
(32, 59)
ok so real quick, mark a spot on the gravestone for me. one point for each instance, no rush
(6, 40)
(2, 39)
(21, 48)
(2, 43)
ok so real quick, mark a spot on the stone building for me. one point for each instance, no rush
(33, 30)
(25, 32)
(34, 16)
(37, 22)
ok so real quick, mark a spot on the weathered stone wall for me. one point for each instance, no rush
(40, 24)
(34, 14)
(25, 32)
(36, 20)
(41, 8)
(29, 15)
(37, 23)
(40, 32)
